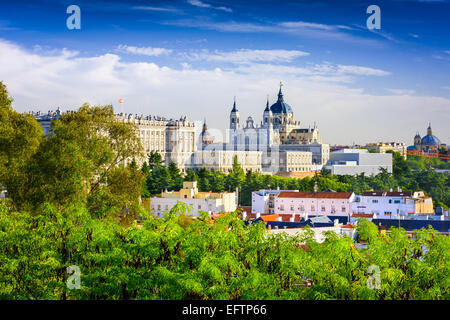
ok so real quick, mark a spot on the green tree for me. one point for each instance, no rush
(5, 99)
(74, 162)
(175, 176)
(154, 159)
(20, 138)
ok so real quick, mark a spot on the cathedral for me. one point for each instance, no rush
(429, 143)
(278, 131)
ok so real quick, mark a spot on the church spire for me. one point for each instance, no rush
(234, 105)
(267, 104)
(429, 130)
(280, 93)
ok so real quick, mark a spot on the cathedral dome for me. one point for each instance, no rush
(280, 106)
(430, 140)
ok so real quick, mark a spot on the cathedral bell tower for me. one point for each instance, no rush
(267, 115)
(234, 117)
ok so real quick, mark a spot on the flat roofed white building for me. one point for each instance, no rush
(357, 161)
(212, 202)
(392, 204)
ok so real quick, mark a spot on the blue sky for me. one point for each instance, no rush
(191, 57)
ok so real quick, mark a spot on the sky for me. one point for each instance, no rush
(192, 57)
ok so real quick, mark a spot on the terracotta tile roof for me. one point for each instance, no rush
(246, 209)
(348, 225)
(314, 195)
(287, 217)
(269, 217)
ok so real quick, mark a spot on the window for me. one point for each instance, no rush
(302, 208)
(199, 207)
(313, 208)
(396, 201)
(374, 201)
(159, 207)
(323, 209)
(292, 207)
(282, 207)
(343, 209)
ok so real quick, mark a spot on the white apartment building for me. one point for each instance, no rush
(302, 203)
(392, 204)
(211, 202)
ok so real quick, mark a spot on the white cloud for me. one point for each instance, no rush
(300, 29)
(362, 71)
(402, 91)
(198, 3)
(302, 24)
(157, 9)
(245, 56)
(40, 81)
(146, 51)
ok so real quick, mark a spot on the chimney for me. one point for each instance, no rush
(258, 215)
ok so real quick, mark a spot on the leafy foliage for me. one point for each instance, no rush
(204, 259)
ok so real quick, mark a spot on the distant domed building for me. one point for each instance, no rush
(429, 143)
(205, 136)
